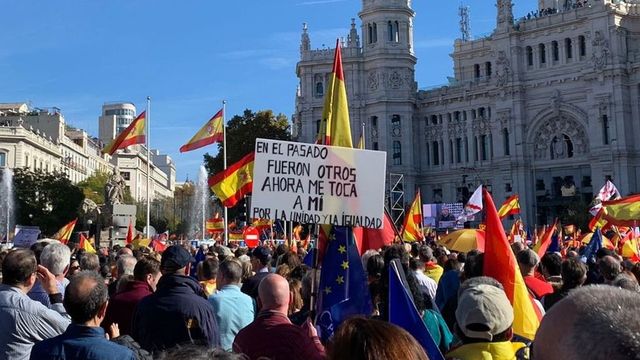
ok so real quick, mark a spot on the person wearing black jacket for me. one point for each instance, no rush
(178, 312)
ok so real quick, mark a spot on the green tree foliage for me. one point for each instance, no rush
(93, 188)
(242, 131)
(47, 200)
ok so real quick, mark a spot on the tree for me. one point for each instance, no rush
(47, 200)
(242, 132)
(93, 188)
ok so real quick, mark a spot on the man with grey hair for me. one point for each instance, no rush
(124, 266)
(56, 257)
(527, 261)
(593, 322)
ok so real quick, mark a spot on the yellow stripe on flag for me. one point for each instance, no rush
(510, 207)
(64, 234)
(413, 221)
(210, 133)
(132, 135)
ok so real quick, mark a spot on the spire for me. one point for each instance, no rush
(305, 43)
(353, 39)
(505, 15)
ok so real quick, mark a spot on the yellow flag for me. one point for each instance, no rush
(413, 221)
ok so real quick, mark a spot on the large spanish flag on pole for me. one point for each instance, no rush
(500, 263)
(132, 135)
(236, 181)
(413, 221)
(335, 127)
(210, 133)
(510, 207)
(65, 232)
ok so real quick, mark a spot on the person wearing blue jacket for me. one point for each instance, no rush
(178, 312)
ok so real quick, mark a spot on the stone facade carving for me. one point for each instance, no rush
(560, 138)
(600, 51)
(503, 69)
(373, 80)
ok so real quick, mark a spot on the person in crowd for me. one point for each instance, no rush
(300, 317)
(426, 284)
(89, 262)
(574, 274)
(178, 311)
(74, 267)
(25, 321)
(609, 268)
(527, 261)
(295, 305)
(122, 305)
(627, 281)
(518, 246)
(364, 339)
(86, 302)
(449, 282)
(56, 257)
(472, 268)
(124, 265)
(260, 262)
(365, 257)
(592, 322)
(431, 267)
(37, 292)
(207, 273)
(484, 324)
(271, 335)
(551, 269)
(232, 308)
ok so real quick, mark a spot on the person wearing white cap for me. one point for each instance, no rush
(484, 318)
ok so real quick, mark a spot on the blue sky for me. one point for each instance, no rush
(189, 55)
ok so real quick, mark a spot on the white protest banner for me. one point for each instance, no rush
(318, 184)
(25, 236)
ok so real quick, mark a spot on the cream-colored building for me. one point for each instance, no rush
(547, 106)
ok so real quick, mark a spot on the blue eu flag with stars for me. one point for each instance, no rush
(343, 291)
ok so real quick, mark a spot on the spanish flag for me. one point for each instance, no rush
(210, 133)
(412, 228)
(132, 135)
(543, 245)
(86, 244)
(215, 225)
(130, 233)
(65, 232)
(262, 224)
(500, 263)
(335, 127)
(622, 212)
(236, 181)
(510, 207)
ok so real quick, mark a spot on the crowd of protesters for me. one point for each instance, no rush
(238, 303)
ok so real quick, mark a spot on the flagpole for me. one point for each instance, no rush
(364, 141)
(148, 141)
(224, 159)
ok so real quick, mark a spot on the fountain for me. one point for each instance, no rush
(200, 205)
(7, 206)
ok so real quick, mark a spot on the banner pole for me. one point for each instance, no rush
(224, 159)
(148, 140)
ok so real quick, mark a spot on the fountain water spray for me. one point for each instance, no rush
(7, 206)
(200, 204)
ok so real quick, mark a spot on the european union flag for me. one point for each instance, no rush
(403, 312)
(343, 289)
(594, 245)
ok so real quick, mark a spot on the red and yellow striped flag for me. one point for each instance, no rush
(86, 244)
(65, 232)
(335, 127)
(621, 212)
(215, 225)
(510, 207)
(412, 228)
(210, 133)
(500, 263)
(132, 135)
(232, 184)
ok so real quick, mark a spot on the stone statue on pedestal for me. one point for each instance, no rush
(114, 189)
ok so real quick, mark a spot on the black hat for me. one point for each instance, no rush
(175, 257)
(262, 253)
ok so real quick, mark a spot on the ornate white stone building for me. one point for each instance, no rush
(549, 101)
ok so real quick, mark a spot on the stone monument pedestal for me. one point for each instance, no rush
(121, 216)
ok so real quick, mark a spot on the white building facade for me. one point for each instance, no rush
(549, 102)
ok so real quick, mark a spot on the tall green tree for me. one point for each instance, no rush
(242, 132)
(45, 199)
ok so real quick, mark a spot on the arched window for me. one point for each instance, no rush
(375, 32)
(397, 153)
(370, 33)
(436, 153)
(476, 71)
(3, 159)
(390, 31)
(434, 120)
(319, 89)
(450, 151)
(396, 31)
(529, 52)
(487, 68)
(568, 48)
(582, 43)
(555, 52)
(466, 149)
(605, 129)
(542, 52)
(395, 120)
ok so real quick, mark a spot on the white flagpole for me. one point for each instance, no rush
(364, 141)
(148, 141)
(224, 158)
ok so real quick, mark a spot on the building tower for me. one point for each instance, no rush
(115, 118)
(505, 16)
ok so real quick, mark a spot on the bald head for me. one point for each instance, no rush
(274, 293)
(125, 251)
(566, 331)
(85, 297)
